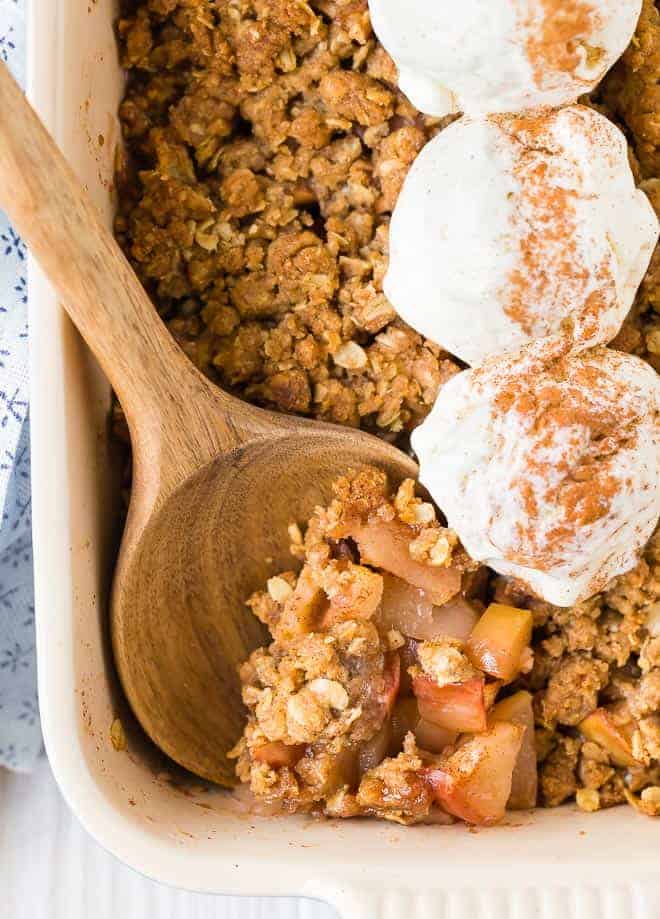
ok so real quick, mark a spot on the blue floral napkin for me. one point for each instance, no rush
(20, 733)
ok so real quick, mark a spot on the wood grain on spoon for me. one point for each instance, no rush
(216, 481)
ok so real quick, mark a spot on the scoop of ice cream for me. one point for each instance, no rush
(501, 55)
(548, 467)
(512, 228)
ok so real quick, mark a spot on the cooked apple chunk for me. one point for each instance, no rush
(517, 709)
(455, 706)
(600, 727)
(474, 783)
(499, 639)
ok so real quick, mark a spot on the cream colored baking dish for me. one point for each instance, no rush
(559, 863)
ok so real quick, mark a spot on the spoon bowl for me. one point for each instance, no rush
(216, 482)
(179, 632)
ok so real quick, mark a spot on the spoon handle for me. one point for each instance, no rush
(169, 405)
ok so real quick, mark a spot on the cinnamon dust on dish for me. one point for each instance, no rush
(549, 275)
(557, 36)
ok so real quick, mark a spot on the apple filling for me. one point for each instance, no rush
(379, 693)
(404, 681)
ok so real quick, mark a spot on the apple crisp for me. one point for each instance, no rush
(266, 144)
(419, 687)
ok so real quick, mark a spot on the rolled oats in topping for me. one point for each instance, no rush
(445, 662)
(267, 145)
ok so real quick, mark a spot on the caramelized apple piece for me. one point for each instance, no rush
(410, 610)
(405, 719)
(433, 738)
(498, 640)
(456, 619)
(385, 544)
(456, 706)
(600, 727)
(490, 692)
(392, 680)
(374, 751)
(517, 709)
(303, 610)
(474, 783)
(277, 754)
(334, 769)
(409, 658)
(404, 607)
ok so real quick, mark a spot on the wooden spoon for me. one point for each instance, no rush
(216, 481)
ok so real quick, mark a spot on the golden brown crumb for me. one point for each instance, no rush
(561, 702)
(587, 799)
(394, 790)
(445, 662)
(629, 94)
(268, 145)
(557, 774)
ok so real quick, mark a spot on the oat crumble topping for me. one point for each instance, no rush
(267, 143)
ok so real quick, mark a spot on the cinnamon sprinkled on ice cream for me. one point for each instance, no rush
(548, 467)
(511, 228)
(555, 41)
(503, 55)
